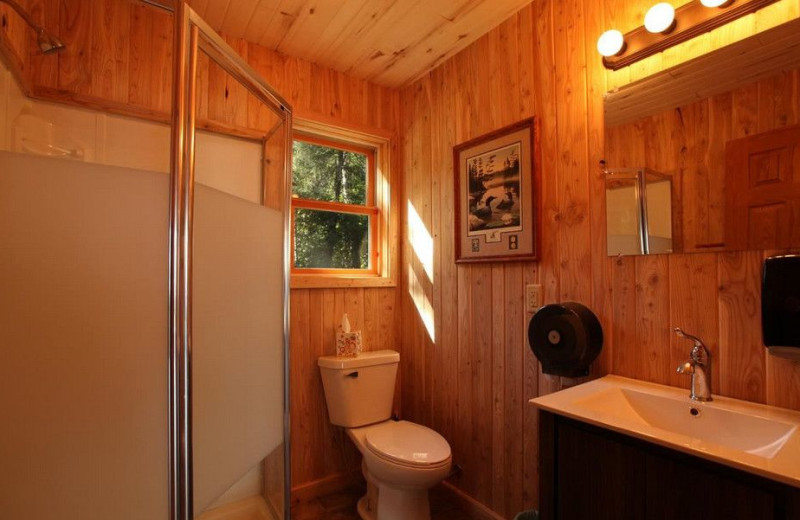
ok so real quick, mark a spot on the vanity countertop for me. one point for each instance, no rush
(759, 439)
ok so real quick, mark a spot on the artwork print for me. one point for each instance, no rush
(495, 187)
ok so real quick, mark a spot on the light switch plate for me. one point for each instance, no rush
(533, 298)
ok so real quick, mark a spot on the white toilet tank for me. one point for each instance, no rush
(359, 390)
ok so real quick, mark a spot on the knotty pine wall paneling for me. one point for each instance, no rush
(14, 41)
(471, 381)
(119, 58)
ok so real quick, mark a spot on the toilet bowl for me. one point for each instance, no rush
(401, 460)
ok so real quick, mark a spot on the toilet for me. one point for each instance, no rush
(401, 460)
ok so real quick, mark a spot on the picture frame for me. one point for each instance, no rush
(497, 195)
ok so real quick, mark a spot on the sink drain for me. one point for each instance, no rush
(694, 411)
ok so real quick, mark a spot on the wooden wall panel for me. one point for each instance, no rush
(557, 77)
(742, 361)
(119, 58)
(15, 39)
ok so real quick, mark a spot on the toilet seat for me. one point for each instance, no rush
(408, 444)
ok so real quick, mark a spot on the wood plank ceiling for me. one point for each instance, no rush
(388, 42)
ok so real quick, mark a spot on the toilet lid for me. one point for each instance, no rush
(408, 443)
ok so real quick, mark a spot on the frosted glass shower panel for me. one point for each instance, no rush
(238, 297)
(83, 337)
(237, 333)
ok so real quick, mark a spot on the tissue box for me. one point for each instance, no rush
(348, 343)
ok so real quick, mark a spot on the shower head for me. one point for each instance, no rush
(46, 41)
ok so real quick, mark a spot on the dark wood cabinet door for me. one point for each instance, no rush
(598, 478)
(680, 489)
(590, 473)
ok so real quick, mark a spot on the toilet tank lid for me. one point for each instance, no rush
(365, 359)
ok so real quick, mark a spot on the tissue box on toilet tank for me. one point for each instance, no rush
(348, 343)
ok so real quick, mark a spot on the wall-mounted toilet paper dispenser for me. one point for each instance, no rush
(566, 338)
(780, 305)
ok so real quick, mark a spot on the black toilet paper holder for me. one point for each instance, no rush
(566, 338)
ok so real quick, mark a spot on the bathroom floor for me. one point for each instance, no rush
(342, 506)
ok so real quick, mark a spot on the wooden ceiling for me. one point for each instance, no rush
(389, 42)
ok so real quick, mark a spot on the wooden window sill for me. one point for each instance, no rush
(329, 281)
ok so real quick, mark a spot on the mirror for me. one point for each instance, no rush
(706, 156)
(639, 211)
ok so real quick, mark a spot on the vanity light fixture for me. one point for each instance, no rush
(610, 43)
(660, 18)
(665, 26)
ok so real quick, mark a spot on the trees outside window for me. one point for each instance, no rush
(334, 217)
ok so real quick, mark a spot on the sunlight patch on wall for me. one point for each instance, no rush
(421, 240)
(421, 302)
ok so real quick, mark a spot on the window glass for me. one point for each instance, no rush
(329, 174)
(334, 215)
(331, 240)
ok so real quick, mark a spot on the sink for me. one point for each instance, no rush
(736, 430)
(757, 438)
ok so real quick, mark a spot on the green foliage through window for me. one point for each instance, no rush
(329, 174)
(330, 239)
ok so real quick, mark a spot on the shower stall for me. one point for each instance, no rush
(144, 301)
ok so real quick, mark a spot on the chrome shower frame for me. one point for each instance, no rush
(193, 34)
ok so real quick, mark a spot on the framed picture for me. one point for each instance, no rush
(496, 184)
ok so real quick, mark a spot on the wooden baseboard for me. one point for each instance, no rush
(325, 486)
(343, 481)
(476, 510)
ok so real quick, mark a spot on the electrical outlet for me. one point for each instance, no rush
(533, 297)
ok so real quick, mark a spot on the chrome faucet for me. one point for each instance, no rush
(699, 366)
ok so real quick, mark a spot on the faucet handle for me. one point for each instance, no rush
(700, 353)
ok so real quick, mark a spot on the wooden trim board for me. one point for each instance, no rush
(476, 510)
(326, 486)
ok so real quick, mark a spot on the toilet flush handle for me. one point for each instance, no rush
(353, 374)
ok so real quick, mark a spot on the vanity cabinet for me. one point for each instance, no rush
(589, 473)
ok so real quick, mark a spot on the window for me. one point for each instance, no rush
(335, 219)
(344, 231)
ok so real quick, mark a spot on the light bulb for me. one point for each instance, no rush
(659, 18)
(610, 43)
(714, 3)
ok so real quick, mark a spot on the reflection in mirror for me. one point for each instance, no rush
(725, 129)
(639, 212)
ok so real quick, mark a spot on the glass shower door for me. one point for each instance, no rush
(235, 211)
(237, 336)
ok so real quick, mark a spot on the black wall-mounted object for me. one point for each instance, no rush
(780, 305)
(566, 338)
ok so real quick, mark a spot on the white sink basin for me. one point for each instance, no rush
(757, 438)
(736, 430)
